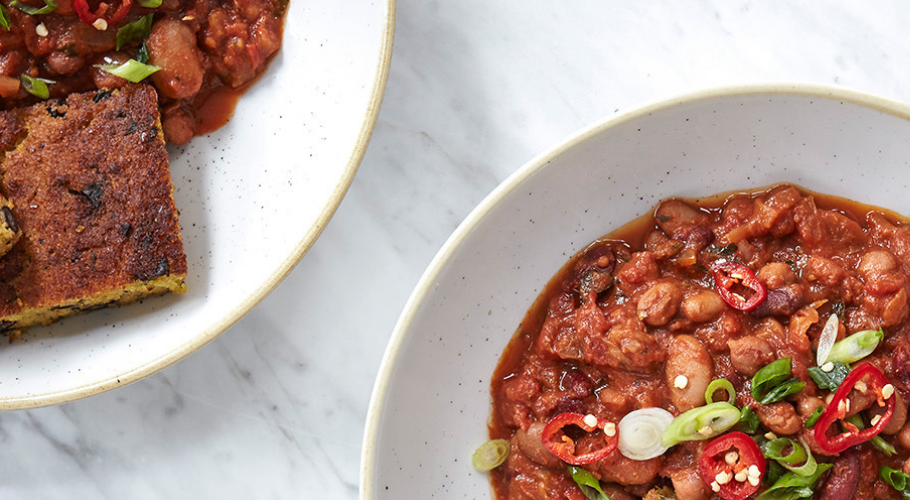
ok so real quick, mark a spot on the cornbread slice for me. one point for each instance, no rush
(91, 191)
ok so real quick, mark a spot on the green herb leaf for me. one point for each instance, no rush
(779, 392)
(36, 86)
(150, 4)
(817, 414)
(4, 18)
(792, 486)
(142, 55)
(49, 6)
(748, 421)
(131, 70)
(830, 380)
(769, 376)
(139, 29)
(588, 484)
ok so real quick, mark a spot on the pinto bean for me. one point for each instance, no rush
(687, 357)
(625, 471)
(688, 484)
(898, 418)
(780, 417)
(749, 354)
(673, 215)
(703, 306)
(659, 304)
(903, 438)
(776, 274)
(530, 443)
(843, 479)
(876, 262)
(172, 47)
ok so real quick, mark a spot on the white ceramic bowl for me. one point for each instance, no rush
(252, 197)
(431, 401)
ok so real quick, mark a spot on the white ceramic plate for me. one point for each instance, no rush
(431, 401)
(252, 197)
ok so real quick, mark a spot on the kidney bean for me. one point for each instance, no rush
(843, 478)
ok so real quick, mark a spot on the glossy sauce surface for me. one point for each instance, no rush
(625, 317)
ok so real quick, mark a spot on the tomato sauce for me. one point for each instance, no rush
(635, 321)
(208, 52)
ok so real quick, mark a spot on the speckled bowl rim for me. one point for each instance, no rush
(477, 216)
(270, 282)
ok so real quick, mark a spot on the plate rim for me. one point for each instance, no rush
(380, 79)
(425, 284)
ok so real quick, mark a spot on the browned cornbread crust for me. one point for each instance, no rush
(92, 191)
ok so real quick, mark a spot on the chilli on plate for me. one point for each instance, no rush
(198, 54)
(754, 345)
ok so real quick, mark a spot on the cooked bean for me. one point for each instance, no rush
(876, 262)
(172, 47)
(780, 418)
(825, 271)
(703, 306)
(530, 443)
(903, 437)
(843, 479)
(898, 418)
(749, 354)
(673, 215)
(625, 471)
(577, 383)
(687, 359)
(782, 301)
(776, 274)
(659, 304)
(688, 484)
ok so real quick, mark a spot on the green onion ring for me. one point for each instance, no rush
(700, 423)
(490, 455)
(720, 383)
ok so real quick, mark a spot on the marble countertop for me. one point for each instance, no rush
(274, 408)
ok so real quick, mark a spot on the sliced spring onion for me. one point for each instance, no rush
(832, 378)
(36, 86)
(718, 384)
(826, 340)
(779, 392)
(131, 70)
(748, 421)
(810, 422)
(700, 423)
(856, 346)
(490, 455)
(139, 29)
(773, 382)
(4, 18)
(883, 446)
(773, 449)
(896, 479)
(769, 376)
(799, 453)
(150, 4)
(49, 6)
(588, 484)
(792, 486)
(640, 433)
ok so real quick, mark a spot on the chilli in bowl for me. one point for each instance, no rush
(744, 346)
